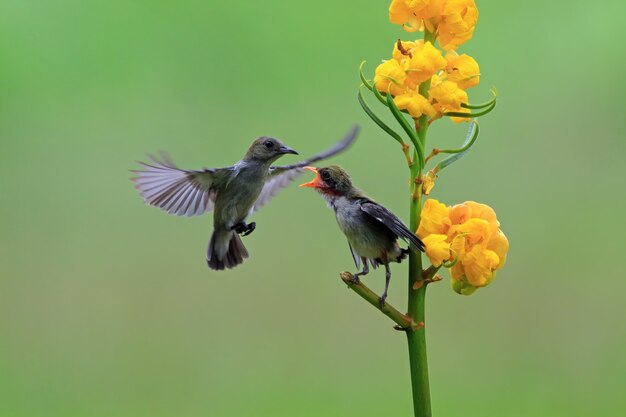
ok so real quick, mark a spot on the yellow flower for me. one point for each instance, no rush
(452, 20)
(437, 248)
(479, 265)
(446, 96)
(390, 77)
(414, 15)
(451, 96)
(471, 233)
(462, 213)
(415, 103)
(475, 261)
(435, 219)
(433, 9)
(457, 24)
(500, 245)
(401, 13)
(462, 69)
(426, 60)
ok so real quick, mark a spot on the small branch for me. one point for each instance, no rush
(428, 275)
(407, 155)
(433, 153)
(402, 320)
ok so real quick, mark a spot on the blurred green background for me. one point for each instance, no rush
(108, 309)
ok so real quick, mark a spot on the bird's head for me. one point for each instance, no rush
(331, 180)
(268, 149)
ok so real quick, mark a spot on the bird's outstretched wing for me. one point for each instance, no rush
(393, 223)
(177, 191)
(281, 176)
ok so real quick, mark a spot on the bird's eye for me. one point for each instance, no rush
(268, 144)
(325, 175)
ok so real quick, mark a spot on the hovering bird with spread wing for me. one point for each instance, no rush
(233, 192)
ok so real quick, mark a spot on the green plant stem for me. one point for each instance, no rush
(416, 339)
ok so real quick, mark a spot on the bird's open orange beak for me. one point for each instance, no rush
(317, 181)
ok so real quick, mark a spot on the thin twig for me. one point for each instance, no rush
(428, 275)
(402, 320)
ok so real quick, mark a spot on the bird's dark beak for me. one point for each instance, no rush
(286, 149)
(316, 183)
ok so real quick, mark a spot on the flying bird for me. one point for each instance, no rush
(233, 192)
(371, 229)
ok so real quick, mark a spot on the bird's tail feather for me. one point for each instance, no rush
(226, 250)
(402, 255)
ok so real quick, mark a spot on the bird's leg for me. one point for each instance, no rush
(365, 271)
(382, 299)
(244, 229)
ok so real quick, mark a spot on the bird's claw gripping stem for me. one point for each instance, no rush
(381, 300)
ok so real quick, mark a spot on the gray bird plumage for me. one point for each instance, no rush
(372, 230)
(233, 193)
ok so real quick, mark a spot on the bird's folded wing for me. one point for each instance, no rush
(393, 223)
(177, 191)
(281, 176)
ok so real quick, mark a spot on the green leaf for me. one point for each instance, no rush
(378, 95)
(365, 82)
(470, 138)
(485, 104)
(479, 106)
(407, 128)
(377, 120)
(471, 115)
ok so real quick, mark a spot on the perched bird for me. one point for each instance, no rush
(233, 193)
(371, 229)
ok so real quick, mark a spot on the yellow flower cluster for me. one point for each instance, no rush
(467, 234)
(452, 23)
(414, 63)
(452, 20)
